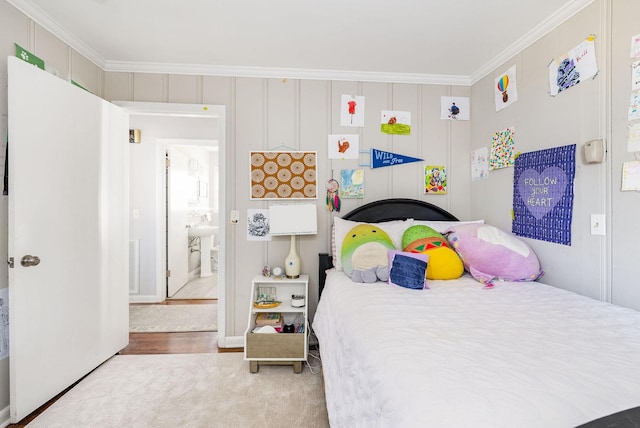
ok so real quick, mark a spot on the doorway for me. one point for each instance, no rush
(191, 218)
(163, 126)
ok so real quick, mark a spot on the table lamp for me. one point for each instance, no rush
(293, 220)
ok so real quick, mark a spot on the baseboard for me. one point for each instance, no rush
(5, 417)
(232, 342)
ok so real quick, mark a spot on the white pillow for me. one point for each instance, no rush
(341, 227)
(442, 226)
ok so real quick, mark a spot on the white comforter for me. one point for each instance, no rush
(457, 355)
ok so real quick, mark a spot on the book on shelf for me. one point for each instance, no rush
(269, 318)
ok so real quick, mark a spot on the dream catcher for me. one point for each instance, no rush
(333, 200)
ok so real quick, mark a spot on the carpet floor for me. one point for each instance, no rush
(172, 318)
(189, 390)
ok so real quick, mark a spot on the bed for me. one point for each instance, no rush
(460, 354)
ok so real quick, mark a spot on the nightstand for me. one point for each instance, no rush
(279, 348)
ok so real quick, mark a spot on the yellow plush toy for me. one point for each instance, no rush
(444, 262)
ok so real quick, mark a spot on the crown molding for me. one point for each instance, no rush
(37, 15)
(42, 19)
(544, 28)
(282, 73)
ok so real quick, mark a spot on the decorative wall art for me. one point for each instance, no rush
(634, 52)
(634, 106)
(435, 180)
(395, 122)
(543, 194)
(258, 225)
(578, 65)
(502, 149)
(480, 164)
(506, 89)
(352, 183)
(333, 195)
(343, 146)
(283, 175)
(352, 111)
(635, 76)
(454, 108)
(630, 176)
(633, 140)
(380, 158)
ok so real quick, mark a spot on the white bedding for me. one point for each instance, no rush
(457, 355)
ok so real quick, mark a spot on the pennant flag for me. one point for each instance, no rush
(381, 158)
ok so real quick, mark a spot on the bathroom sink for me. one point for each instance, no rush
(202, 230)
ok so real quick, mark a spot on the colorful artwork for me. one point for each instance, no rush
(634, 106)
(283, 175)
(543, 194)
(435, 180)
(454, 108)
(352, 111)
(352, 183)
(380, 158)
(343, 146)
(505, 89)
(502, 149)
(577, 65)
(395, 122)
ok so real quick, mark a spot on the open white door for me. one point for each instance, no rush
(68, 206)
(177, 232)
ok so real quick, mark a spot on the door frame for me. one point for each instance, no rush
(197, 111)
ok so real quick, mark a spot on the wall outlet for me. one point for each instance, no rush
(598, 224)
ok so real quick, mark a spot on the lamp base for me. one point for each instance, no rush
(292, 262)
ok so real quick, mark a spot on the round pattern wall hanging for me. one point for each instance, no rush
(283, 175)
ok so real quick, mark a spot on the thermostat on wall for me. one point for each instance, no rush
(594, 151)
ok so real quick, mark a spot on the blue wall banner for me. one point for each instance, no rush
(381, 158)
(543, 194)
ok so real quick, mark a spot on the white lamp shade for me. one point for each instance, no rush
(298, 219)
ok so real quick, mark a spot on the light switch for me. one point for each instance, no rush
(598, 224)
(235, 216)
(136, 213)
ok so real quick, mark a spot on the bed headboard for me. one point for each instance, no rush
(387, 210)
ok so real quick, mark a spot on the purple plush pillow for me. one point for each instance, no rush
(408, 270)
(489, 253)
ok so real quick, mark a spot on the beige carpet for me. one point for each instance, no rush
(189, 390)
(172, 318)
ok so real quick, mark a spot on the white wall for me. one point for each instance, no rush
(574, 116)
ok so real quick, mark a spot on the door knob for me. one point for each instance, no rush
(27, 261)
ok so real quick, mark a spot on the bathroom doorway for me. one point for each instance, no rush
(191, 216)
(158, 124)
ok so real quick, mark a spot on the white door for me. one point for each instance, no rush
(68, 206)
(177, 233)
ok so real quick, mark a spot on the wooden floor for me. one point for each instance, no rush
(158, 343)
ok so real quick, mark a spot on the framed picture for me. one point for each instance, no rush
(283, 175)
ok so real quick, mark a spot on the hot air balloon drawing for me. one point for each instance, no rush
(503, 83)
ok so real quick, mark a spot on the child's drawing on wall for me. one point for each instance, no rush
(352, 111)
(435, 179)
(344, 146)
(395, 122)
